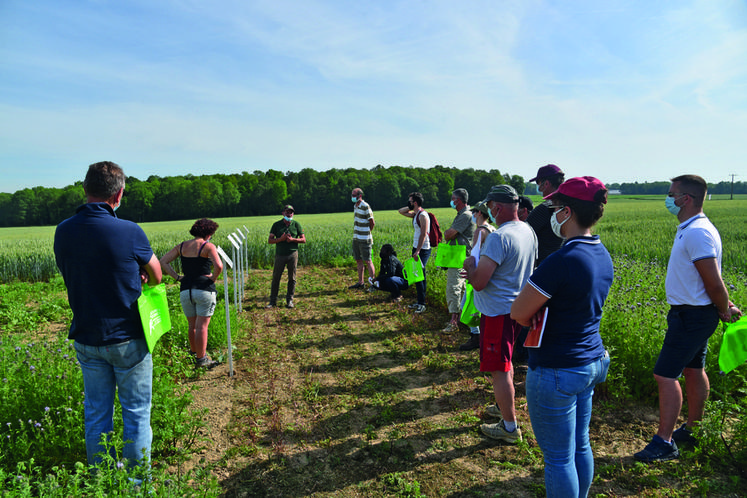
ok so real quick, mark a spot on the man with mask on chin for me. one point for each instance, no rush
(286, 234)
(506, 261)
(698, 299)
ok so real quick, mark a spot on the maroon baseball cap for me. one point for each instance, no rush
(546, 171)
(584, 188)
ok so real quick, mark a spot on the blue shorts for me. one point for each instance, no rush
(196, 302)
(686, 342)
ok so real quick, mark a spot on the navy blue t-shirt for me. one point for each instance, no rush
(576, 279)
(100, 257)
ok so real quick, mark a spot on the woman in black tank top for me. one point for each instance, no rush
(197, 291)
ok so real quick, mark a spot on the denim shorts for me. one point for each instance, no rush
(196, 302)
(686, 342)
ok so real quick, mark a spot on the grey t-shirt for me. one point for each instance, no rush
(465, 227)
(513, 246)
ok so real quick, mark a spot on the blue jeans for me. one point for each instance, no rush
(126, 367)
(393, 285)
(420, 286)
(559, 401)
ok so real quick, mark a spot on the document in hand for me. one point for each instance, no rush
(476, 250)
(534, 336)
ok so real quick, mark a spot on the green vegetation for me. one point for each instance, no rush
(349, 395)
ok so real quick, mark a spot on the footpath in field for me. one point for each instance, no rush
(350, 394)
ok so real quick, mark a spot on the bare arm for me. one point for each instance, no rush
(166, 260)
(406, 211)
(527, 305)
(716, 290)
(153, 270)
(450, 234)
(479, 275)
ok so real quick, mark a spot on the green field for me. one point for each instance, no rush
(639, 228)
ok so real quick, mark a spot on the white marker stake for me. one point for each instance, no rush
(246, 253)
(242, 269)
(228, 262)
(235, 282)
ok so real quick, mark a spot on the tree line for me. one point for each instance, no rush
(265, 193)
(660, 188)
(255, 194)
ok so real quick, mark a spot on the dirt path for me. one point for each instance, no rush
(352, 395)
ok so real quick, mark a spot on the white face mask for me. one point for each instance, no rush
(556, 225)
(671, 206)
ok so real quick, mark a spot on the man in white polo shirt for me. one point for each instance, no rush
(698, 299)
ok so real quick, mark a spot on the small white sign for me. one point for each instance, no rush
(225, 257)
(234, 242)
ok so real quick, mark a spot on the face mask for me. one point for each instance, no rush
(287, 218)
(452, 205)
(474, 219)
(354, 199)
(490, 213)
(410, 205)
(555, 225)
(671, 206)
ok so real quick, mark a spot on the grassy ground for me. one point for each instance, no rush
(351, 395)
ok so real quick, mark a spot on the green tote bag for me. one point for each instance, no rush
(154, 313)
(450, 256)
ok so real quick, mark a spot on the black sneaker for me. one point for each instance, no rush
(658, 450)
(472, 343)
(683, 435)
(206, 362)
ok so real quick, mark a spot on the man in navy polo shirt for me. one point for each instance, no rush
(104, 261)
(698, 299)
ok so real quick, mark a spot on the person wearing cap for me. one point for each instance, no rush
(483, 228)
(286, 234)
(525, 207)
(549, 178)
(506, 261)
(697, 298)
(459, 233)
(363, 223)
(572, 285)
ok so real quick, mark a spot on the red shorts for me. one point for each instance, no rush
(497, 337)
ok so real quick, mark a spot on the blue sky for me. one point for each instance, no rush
(622, 90)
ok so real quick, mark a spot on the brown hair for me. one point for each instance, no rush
(203, 228)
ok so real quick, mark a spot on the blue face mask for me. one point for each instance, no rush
(452, 204)
(474, 219)
(287, 218)
(490, 213)
(354, 199)
(671, 206)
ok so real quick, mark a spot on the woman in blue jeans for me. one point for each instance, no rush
(572, 283)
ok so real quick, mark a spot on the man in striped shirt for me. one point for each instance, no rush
(362, 239)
